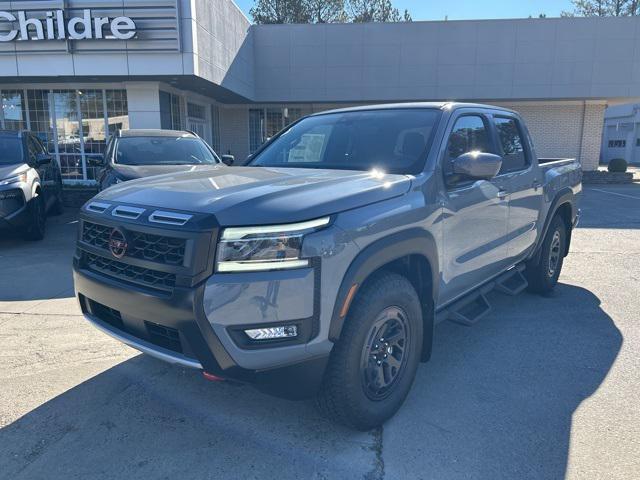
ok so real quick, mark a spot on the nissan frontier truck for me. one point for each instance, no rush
(321, 267)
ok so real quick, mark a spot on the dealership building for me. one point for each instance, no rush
(75, 71)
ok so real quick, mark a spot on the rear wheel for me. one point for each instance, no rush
(543, 274)
(373, 365)
(36, 228)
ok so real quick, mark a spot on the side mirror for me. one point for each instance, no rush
(477, 165)
(228, 159)
(43, 159)
(95, 161)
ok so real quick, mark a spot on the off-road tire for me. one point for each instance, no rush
(36, 228)
(543, 273)
(344, 397)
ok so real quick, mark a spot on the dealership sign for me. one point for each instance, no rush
(55, 26)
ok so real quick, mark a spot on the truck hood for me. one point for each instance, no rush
(12, 170)
(133, 172)
(260, 195)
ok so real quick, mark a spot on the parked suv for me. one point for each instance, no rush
(30, 184)
(133, 154)
(322, 267)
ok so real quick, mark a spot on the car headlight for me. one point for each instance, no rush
(17, 179)
(273, 247)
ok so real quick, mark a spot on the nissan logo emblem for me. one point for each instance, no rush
(118, 243)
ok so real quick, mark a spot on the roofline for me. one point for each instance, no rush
(414, 105)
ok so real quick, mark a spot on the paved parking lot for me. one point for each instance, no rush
(543, 388)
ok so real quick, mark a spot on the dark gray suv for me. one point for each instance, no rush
(30, 184)
(133, 154)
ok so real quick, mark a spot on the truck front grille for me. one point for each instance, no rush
(129, 273)
(143, 246)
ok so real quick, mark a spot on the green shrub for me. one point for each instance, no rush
(618, 165)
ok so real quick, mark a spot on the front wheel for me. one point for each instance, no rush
(543, 274)
(36, 228)
(373, 365)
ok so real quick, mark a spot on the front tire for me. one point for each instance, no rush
(544, 273)
(58, 205)
(373, 365)
(36, 228)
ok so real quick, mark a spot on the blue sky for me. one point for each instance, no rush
(468, 9)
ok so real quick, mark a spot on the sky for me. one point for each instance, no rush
(468, 9)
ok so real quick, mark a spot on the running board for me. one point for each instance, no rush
(513, 283)
(471, 311)
(471, 308)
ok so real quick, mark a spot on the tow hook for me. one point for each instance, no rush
(211, 377)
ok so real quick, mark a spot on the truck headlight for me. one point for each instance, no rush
(272, 247)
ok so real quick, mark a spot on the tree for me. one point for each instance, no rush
(326, 11)
(603, 8)
(280, 11)
(362, 11)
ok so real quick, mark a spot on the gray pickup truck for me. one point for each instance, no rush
(321, 267)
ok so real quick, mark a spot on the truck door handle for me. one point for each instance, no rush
(502, 194)
(535, 184)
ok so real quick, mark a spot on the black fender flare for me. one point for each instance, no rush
(414, 241)
(564, 196)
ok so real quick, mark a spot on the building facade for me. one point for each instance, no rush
(75, 71)
(621, 133)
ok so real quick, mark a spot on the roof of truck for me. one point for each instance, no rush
(155, 133)
(437, 105)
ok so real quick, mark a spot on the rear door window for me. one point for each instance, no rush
(511, 142)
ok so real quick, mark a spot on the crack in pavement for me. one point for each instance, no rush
(377, 473)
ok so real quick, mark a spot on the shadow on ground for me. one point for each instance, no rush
(38, 270)
(496, 401)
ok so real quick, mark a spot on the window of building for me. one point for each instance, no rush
(73, 125)
(94, 133)
(170, 111)
(617, 143)
(215, 129)
(68, 132)
(256, 128)
(264, 123)
(511, 143)
(176, 113)
(13, 112)
(117, 111)
(637, 142)
(196, 111)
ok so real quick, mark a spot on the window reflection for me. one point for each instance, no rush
(72, 124)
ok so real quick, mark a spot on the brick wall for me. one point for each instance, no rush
(592, 136)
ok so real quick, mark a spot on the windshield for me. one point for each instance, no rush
(163, 151)
(393, 140)
(10, 150)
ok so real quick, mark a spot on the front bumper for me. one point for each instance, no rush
(175, 329)
(13, 207)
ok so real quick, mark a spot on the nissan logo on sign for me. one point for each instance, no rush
(55, 26)
(118, 243)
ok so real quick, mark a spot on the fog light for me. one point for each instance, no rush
(272, 333)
